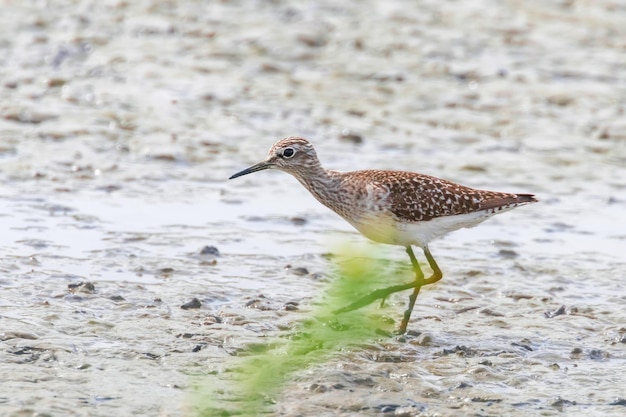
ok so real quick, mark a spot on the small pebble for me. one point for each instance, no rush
(508, 253)
(575, 353)
(598, 354)
(291, 306)
(84, 287)
(558, 312)
(259, 305)
(209, 320)
(299, 221)
(209, 250)
(194, 303)
(300, 271)
(424, 339)
(560, 403)
(318, 388)
(151, 356)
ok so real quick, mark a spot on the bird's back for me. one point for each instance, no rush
(384, 203)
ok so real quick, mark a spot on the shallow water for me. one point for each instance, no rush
(120, 122)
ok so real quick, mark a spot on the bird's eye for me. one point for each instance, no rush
(288, 152)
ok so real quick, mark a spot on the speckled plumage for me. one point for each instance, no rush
(394, 207)
(382, 204)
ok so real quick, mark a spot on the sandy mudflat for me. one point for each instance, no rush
(120, 122)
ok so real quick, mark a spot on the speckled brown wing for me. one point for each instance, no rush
(416, 197)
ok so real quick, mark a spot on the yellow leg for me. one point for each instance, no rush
(419, 282)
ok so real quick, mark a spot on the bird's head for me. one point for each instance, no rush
(294, 155)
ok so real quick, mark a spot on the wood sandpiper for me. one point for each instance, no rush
(393, 207)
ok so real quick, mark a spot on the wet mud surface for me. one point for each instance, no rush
(130, 266)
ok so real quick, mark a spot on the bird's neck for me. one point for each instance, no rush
(322, 183)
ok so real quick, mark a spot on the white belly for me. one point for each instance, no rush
(385, 229)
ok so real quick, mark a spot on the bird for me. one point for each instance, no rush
(393, 207)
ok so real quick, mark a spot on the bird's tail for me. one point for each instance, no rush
(526, 198)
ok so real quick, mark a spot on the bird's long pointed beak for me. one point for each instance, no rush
(254, 168)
